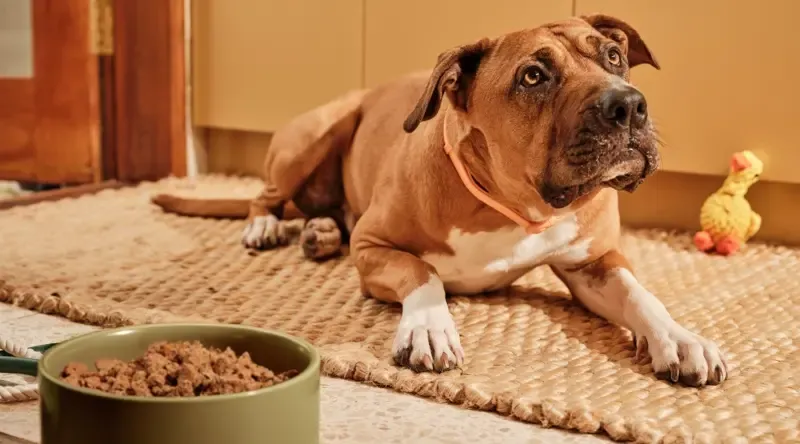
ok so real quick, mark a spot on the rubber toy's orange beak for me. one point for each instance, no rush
(739, 163)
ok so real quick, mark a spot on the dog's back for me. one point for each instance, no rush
(379, 141)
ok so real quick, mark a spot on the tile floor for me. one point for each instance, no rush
(351, 412)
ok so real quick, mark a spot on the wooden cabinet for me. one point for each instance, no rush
(728, 80)
(407, 36)
(258, 63)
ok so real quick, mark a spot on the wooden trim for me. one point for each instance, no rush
(61, 108)
(149, 89)
(61, 193)
(178, 82)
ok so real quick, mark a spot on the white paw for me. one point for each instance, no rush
(678, 355)
(263, 232)
(427, 338)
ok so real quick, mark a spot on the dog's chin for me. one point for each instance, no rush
(627, 182)
(625, 173)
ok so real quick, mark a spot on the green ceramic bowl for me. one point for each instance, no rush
(284, 413)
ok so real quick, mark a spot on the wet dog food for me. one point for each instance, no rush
(176, 369)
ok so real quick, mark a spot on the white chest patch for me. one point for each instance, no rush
(492, 260)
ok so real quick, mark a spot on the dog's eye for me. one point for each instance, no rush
(533, 76)
(614, 57)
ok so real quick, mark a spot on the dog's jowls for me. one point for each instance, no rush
(548, 125)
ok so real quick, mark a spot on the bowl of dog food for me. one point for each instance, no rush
(180, 384)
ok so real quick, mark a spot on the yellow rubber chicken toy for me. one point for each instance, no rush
(726, 219)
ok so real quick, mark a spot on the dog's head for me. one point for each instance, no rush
(550, 109)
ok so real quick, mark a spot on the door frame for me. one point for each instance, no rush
(143, 93)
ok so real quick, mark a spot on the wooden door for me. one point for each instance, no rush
(49, 94)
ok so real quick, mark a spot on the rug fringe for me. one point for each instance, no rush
(55, 305)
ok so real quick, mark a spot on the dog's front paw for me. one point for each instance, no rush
(264, 232)
(427, 340)
(678, 355)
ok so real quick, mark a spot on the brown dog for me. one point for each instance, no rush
(520, 167)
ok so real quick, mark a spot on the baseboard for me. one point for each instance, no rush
(236, 152)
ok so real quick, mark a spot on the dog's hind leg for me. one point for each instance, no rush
(322, 198)
(303, 155)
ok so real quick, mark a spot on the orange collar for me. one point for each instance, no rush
(469, 182)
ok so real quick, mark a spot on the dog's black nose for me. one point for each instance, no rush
(623, 106)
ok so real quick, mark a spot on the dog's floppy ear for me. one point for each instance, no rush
(454, 69)
(624, 34)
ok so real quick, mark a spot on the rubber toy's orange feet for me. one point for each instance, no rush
(703, 241)
(727, 246)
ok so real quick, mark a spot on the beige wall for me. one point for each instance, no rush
(407, 36)
(257, 63)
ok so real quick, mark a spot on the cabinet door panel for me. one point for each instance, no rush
(258, 63)
(407, 36)
(728, 80)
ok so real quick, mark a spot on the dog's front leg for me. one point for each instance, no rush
(608, 288)
(264, 229)
(426, 338)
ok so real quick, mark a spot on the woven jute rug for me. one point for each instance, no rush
(113, 259)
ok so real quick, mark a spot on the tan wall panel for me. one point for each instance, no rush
(407, 36)
(257, 63)
(728, 80)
